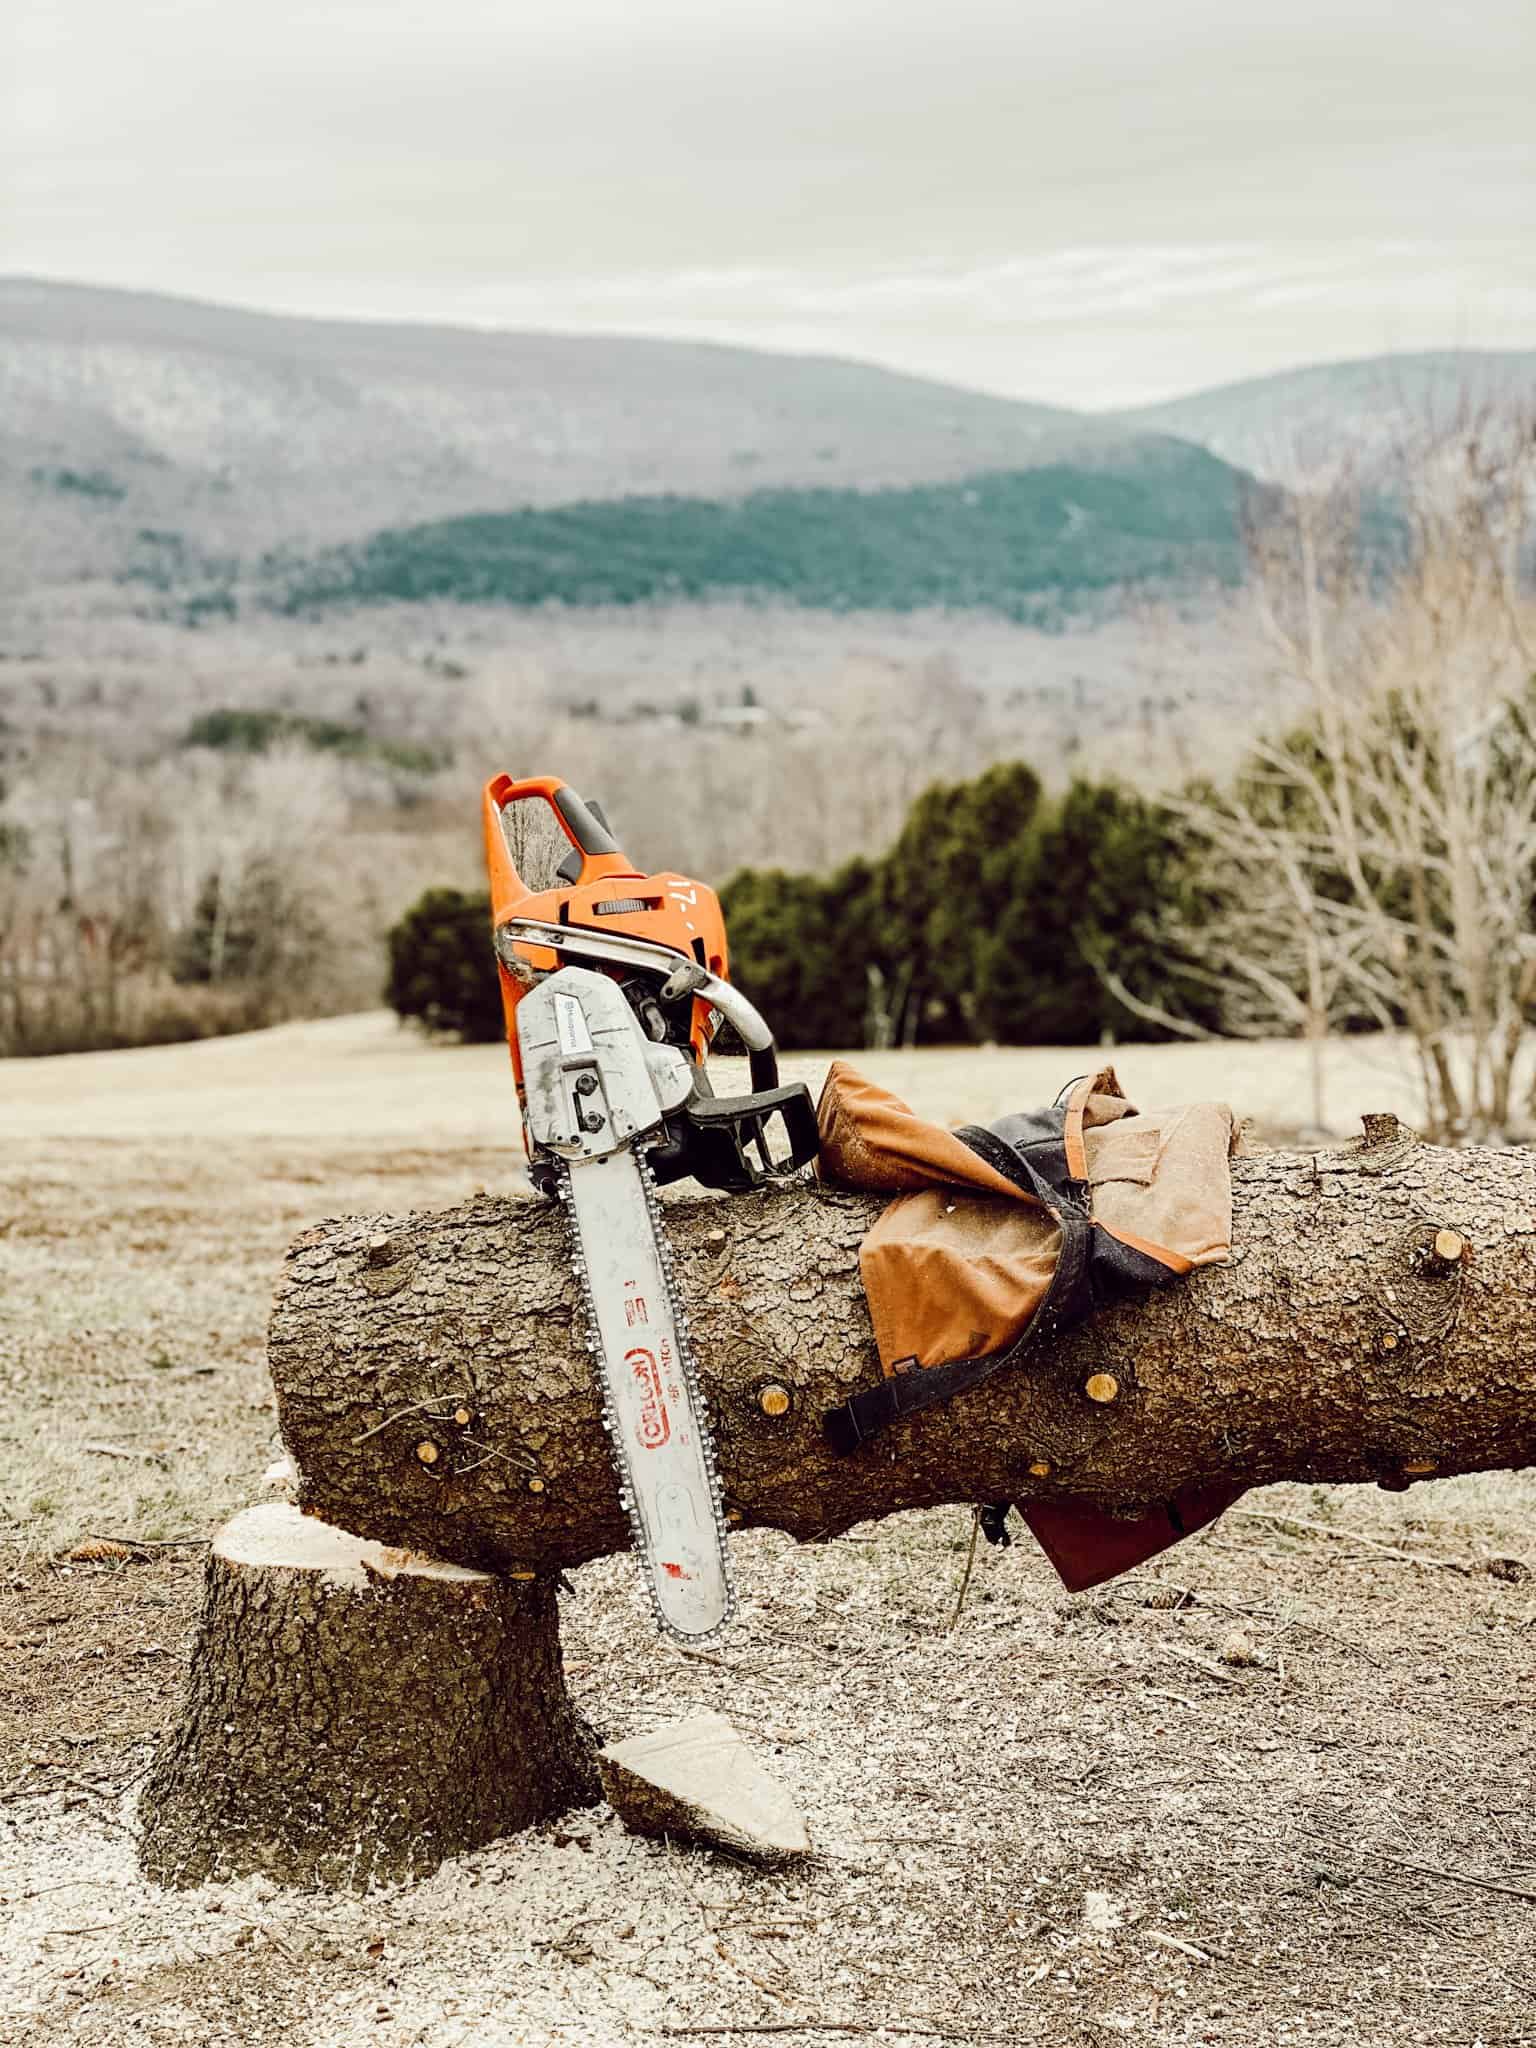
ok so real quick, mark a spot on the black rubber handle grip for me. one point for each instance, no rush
(588, 831)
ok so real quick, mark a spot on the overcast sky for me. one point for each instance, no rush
(1093, 201)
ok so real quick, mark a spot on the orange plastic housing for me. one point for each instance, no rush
(667, 909)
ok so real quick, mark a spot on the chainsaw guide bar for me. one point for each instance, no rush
(653, 1406)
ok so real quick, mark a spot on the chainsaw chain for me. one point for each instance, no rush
(618, 1448)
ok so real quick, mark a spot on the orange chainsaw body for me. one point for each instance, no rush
(605, 894)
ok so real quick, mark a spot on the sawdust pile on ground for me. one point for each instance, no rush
(1068, 1821)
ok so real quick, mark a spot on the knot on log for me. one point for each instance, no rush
(1421, 1291)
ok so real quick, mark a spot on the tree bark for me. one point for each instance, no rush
(353, 1716)
(433, 1391)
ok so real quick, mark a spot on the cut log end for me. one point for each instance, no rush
(699, 1782)
(354, 1714)
(277, 1537)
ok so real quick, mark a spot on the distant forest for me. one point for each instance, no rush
(1030, 545)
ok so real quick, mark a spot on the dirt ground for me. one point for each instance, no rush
(1064, 1820)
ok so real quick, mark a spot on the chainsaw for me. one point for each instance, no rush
(614, 984)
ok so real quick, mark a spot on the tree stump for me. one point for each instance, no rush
(355, 1714)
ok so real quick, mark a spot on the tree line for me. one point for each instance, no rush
(988, 918)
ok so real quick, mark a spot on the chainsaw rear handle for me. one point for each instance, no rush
(597, 853)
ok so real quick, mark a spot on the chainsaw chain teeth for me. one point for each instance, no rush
(618, 1449)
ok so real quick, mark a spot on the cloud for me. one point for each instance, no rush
(1091, 205)
(1090, 324)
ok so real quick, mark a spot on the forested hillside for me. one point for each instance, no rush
(1030, 545)
(236, 431)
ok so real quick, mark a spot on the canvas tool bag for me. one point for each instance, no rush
(1001, 1235)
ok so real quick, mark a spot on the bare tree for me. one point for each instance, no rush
(202, 892)
(1377, 861)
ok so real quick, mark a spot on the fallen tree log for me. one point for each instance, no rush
(1377, 1323)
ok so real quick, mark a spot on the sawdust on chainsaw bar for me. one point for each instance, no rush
(1276, 1789)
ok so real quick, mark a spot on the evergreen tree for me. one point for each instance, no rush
(795, 953)
(442, 970)
(1080, 896)
(990, 917)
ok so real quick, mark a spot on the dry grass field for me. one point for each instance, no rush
(1066, 1821)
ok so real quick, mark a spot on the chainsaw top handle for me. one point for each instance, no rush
(595, 853)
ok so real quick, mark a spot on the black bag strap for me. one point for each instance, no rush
(1066, 1302)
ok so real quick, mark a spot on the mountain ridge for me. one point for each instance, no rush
(259, 430)
(17, 288)
(150, 439)
(1287, 421)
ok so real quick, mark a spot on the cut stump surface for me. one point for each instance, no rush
(355, 1714)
